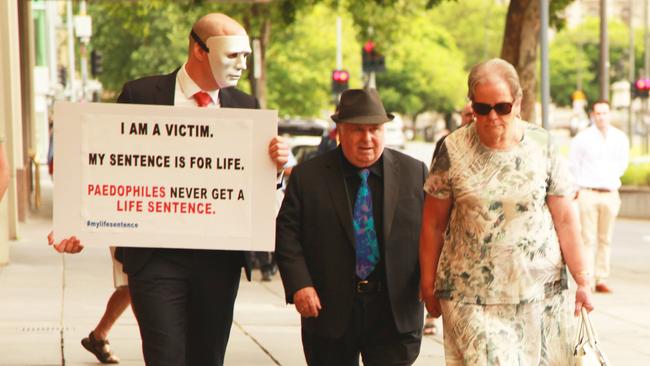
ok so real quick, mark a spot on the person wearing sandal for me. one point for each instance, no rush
(97, 341)
(100, 348)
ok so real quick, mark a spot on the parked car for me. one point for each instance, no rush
(394, 136)
(304, 135)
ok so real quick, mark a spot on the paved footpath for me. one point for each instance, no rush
(48, 302)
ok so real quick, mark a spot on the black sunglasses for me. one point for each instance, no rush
(199, 41)
(484, 109)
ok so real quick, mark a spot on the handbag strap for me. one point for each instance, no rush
(588, 327)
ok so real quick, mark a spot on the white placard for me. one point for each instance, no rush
(161, 176)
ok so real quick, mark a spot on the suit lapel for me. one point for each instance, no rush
(166, 89)
(335, 181)
(225, 99)
(391, 191)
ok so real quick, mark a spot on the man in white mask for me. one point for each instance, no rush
(183, 299)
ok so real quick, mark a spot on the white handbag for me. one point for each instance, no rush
(587, 351)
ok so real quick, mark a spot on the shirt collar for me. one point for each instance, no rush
(189, 87)
(351, 170)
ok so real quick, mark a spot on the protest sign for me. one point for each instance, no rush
(161, 176)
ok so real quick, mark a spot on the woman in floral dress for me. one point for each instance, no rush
(497, 230)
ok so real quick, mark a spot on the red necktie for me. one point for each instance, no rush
(202, 98)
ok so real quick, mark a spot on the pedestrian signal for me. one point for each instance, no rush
(340, 80)
(641, 88)
(96, 59)
(371, 60)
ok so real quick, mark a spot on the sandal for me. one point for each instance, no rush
(100, 348)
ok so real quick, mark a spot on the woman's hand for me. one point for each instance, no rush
(430, 301)
(583, 299)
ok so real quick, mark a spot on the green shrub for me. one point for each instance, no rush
(637, 175)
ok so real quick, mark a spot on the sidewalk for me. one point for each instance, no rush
(48, 302)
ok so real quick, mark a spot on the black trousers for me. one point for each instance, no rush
(184, 302)
(371, 333)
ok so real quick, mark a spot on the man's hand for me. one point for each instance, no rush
(279, 152)
(307, 302)
(69, 245)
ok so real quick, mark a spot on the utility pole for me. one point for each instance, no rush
(631, 66)
(604, 52)
(72, 85)
(339, 45)
(83, 30)
(646, 69)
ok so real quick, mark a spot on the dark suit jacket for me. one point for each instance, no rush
(159, 90)
(315, 240)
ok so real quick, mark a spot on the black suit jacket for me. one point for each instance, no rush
(159, 90)
(315, 239)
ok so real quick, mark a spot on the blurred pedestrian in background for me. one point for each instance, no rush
(97, 341)
(598, 158)
(347, 243)
(496, 233)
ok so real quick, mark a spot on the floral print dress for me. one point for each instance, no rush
(501, 278)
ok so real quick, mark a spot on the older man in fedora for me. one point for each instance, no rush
(347, 243)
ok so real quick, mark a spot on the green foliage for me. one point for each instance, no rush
(424, 67)
(140, 38)
(300, 60)
(424, 70)
(637, 175)
(476, 26)
(575, 52)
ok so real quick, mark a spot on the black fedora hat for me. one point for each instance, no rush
(361, 106)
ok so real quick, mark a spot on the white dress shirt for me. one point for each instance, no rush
(186, 88)
(597, 160)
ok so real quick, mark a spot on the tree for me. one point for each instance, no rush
(520, 43)
(575, 53)
(424, 70)
(140, 38)
(302, 57)
(475, 25)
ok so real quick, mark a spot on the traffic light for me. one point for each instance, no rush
(641, 88)
(372, 60)
(340, 80)
(96, 59)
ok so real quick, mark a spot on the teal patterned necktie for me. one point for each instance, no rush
(367, 248)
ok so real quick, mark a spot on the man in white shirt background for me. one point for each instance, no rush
(598, 158)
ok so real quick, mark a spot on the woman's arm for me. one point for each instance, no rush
(435, 217)
(567, 228)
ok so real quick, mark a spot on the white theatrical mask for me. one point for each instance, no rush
(227, 58)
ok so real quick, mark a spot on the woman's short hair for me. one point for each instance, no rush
(490, 68)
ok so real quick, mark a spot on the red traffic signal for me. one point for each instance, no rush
(340, 76)
(371, 60)
(642, 88)
(340, 80)
(369, 46)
